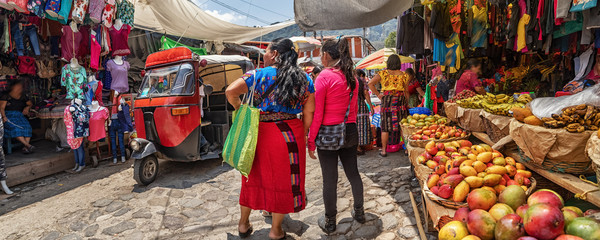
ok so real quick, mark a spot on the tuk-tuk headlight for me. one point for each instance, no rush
(135, 145)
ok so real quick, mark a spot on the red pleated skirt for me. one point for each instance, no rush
(276, 181)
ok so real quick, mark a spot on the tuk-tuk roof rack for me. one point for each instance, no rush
(172, 55)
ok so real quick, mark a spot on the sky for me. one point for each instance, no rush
(249, 12)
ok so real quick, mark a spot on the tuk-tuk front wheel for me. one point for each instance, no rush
(145, 170)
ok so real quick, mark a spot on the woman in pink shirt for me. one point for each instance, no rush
(469, 79)
(333, 98)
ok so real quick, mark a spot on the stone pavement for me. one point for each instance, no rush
(199, 201)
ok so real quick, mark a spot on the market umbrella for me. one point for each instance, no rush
(377, 60)
(305, 44)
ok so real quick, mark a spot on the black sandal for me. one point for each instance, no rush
(383, 154)
(246, 234)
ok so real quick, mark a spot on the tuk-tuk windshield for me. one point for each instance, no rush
(169, 80)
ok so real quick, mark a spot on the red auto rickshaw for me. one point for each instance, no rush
(177, 115)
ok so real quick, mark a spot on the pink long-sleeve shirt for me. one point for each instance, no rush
(332, 97)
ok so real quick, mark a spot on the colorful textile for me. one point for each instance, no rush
(2, 158)
(125, 11)
(79, 10)
(95, 51)
(394, 107)
(167, 43)
(65, 10)
(391, 82)
(37, 7)
(109, 13)
(52, 8)
(119, 38)
(120, 82)
(264, 78)
(95, 10)
(480, 22)
(240, 146)
(521, 32)
(73, 142)
(274, 184)
(81, 120)
(73, 81)
(97, 124)
(69, 42)
(363, 123)
(17, 125)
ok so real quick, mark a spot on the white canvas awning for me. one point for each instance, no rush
(184, 18)
(313, 15)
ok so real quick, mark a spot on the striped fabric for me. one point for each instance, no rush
(292, 145)
(240, 144)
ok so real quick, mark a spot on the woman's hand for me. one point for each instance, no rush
(26, 111)
(4, 119)
(311, 153)
(380, 96)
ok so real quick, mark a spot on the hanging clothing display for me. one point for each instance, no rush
(95, 10)
(118, 74)
(411, 34)
(119, 39)
(69, 42)
(77, 123)
(97, 124)
(479, 31)
(108, 13)
(125, 11)
(93, 93)
(74, 81)
(79, 10)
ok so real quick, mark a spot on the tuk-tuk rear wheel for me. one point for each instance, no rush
(145, 170)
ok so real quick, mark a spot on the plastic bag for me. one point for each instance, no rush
(545, 107)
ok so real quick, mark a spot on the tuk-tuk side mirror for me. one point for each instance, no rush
(208, 89)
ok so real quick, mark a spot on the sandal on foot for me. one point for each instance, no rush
(246, 234)
(282, 238)
(266, 213)
(383, 154)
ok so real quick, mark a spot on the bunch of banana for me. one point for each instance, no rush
(524, 98)
(575, 128)
(575, 119)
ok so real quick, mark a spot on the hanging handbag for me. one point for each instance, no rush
(240, 145)
(333, 137)
(26, 65)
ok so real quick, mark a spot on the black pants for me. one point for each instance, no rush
(329, 169)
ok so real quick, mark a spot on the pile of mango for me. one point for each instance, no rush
(500, 104)
(460, 167)
(422, 120)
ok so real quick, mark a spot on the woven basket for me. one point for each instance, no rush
(408, 131)
(422, 143)
(559, 166)
(457, 205)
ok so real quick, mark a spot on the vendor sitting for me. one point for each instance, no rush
(469, 80)
(14, 105)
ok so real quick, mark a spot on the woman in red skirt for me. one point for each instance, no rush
(281, 91)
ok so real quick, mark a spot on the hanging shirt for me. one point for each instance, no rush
(411, 35)
(73, 81)
(522, 33)
(109, 13)
(479, 31)
(69, 42)
(95, 10)
(119, 38)
(97, 124)
(124, 117)
(118, 73)
(125, 12)
(65, 9)
(77, 123)
(79, 10)
(37, 7)
(94, 93)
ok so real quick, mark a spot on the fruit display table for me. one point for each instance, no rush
(433, 211)
(566, 181)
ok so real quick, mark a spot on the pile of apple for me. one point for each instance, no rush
(513, 216)
(460, 167)
(438, 131)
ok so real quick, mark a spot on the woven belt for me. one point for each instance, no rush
(278, 116)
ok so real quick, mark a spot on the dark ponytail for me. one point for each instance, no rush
(291, 80)
(339, 50)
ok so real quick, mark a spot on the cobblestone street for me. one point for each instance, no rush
(199, 201)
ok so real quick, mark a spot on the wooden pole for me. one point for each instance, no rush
(417, 216)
